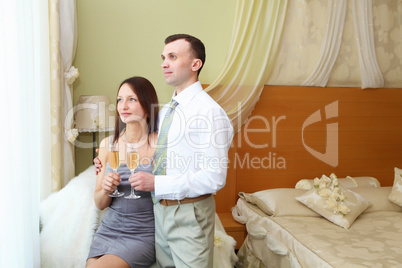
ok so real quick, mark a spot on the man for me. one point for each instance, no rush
(198, 141)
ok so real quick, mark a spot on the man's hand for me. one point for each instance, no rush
(97, 163)
(142, 181)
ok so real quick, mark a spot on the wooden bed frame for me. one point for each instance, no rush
(285, 138)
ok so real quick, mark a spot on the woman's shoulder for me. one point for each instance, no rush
(105, 142)
(104, 146)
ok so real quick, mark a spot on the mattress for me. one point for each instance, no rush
(374, 240)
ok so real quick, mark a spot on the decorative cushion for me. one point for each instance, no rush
(340, 206)
(396, 192)
(348, 182)
(279, 202)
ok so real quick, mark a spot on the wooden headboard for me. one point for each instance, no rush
(299, 133)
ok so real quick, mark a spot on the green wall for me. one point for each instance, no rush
(118, 39)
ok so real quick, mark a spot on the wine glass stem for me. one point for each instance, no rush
(132, 188)
(115, 188)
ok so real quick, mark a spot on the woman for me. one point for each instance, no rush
(126, 236)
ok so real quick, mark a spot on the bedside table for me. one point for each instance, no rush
(233, 228)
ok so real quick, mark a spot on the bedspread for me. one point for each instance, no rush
(374, 239)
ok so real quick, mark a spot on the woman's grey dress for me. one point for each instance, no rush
(127, 229)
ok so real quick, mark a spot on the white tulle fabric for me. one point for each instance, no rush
(364, 34)
(251, 56)
(330, 44)
(366, 42)
(338, 43)
(25, 124)
(364, 37)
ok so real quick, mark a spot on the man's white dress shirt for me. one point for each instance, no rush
(198, 142)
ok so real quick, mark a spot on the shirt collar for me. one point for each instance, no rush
(187, 94)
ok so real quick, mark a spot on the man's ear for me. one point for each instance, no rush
(197, 63)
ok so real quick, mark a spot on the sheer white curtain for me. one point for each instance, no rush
(25, 128)
(359, 48)
(362, 11)
(330, 44)
(364, 34)
(255, 40)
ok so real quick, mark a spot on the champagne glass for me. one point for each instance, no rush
(133, 159)
(114, 163)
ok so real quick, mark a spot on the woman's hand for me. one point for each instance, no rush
(111, 181)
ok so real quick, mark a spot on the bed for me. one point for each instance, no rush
(69, 219)
(280, 144)
(283, 232)
(288, 138)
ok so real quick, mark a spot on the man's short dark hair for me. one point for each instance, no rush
(197, 47)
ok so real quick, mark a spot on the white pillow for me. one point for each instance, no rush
(396, 192)
(279, 202)
(378, 197)
(353, 202)
(348, 182)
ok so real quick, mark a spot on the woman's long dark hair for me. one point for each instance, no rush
(148, 99)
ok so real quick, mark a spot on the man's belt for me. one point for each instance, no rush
(187, 200)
